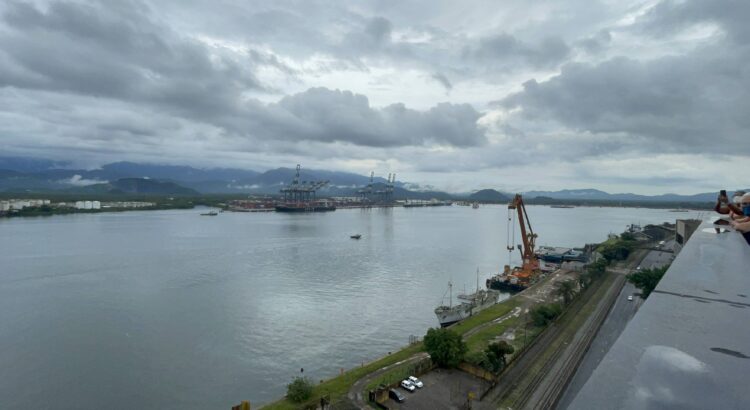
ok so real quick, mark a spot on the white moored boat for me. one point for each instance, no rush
(471, 304)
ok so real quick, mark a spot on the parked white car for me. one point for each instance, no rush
(416, 382)
(406, 384)
(630, 298)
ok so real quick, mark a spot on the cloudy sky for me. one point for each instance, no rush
(642, 96)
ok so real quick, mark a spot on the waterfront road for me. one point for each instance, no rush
(620, 315)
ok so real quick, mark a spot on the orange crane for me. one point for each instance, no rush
(530, 265)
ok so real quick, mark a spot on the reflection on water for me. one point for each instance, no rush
(168, 309)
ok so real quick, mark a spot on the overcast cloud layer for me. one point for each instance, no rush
(646, 96)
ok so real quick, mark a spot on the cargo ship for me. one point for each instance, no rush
(300, 196)
(471, 304)
(305, 207)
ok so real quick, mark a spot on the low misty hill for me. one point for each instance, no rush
(141, 186)
(597, 195)
(18, 174)
(489, 195)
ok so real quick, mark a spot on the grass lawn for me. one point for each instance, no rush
(489, 314)
(479, 340)
(392, 376)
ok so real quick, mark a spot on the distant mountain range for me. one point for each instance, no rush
(489, 195)
(141, 186)
(20, 174)
(597, 195)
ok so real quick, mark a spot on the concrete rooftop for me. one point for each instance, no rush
(688, 347)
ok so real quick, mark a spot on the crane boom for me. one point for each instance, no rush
(530, 265)
(527, 233)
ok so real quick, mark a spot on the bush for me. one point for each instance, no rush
(445, 346)
(477, 359)
(618, 249)
(496, 353)
(543, 314)
(299, 390)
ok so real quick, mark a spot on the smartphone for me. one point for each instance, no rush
(723, 192)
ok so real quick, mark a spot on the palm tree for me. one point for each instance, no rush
(566, 289)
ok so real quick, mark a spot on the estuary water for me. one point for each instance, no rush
(169, 309)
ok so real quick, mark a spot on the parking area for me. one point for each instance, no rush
(443, 389)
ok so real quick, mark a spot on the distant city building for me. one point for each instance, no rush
(126, 204)
(19, 204)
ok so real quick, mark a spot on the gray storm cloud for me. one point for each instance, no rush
(327, 115)
(688, 103)
(435, 86)
(124, 55)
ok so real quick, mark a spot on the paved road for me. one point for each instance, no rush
(620, 315)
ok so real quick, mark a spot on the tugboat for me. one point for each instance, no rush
(473, 304)
(509, 281)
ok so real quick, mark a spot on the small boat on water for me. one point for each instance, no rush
(357, 236)
(212, 213)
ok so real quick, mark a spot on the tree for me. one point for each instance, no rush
(566, 289)
(585, 279)
(647, 279)
(617, 249)
(543, 314)
(445, 346)
(627, 236)
(477, 359)
(299, 390)
(496, 353)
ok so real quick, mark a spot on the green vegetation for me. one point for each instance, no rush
(299, 390)
(493, 358)
(479, 340)
(566, 289)
(570, 322)
(445, 346)
(647, 279)
(542, 315)
(398, 373)
(617, 248)
(496, 353)
(486, 315)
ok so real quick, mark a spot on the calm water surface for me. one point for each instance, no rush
(168, 309)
